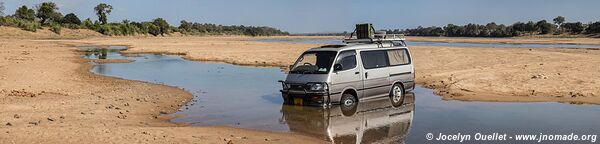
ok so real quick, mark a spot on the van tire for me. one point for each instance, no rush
(286, 101)
(397, 95)
(348, 104)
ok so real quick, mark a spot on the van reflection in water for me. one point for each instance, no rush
(376, 121)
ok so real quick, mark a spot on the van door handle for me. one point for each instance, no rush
(356, 72)
(366, 75)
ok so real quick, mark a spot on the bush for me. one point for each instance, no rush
(87, 23)
(108, 30)
(71, 26)
(55, 27)
(20, 23)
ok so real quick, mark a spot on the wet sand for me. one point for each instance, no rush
(48, 95)
(459, 73)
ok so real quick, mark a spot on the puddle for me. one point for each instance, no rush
(248, 97)
(458, 44)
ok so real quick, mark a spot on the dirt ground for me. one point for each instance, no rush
(48, 95)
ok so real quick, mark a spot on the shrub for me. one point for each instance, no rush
(87, 23)
(55, 27)
(30, 26)
(20, 23)
(71, 26)
(593, 28)
(108, 30)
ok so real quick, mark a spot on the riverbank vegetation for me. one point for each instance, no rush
(530, 28)
(47, 15)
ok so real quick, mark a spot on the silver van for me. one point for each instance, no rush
(360, 70)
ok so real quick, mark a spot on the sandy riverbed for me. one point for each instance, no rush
(48, 95)
(461, 73)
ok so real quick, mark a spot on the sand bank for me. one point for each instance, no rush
(48, 95)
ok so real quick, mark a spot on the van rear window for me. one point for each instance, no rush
(398, 57)
(374, 59)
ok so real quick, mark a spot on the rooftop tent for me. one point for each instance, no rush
(366, 34)
(365, 31)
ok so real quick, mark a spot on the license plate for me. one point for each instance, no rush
(298, 101)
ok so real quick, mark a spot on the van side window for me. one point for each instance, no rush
(347, 59)
(398, 56)
(374, 59)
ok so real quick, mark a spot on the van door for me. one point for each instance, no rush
(401, 69)
(348, 74)
(376, 73)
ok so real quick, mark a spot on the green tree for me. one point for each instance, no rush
(593, 28)
(545, 27)
(151, 28)
(102, 11)
(575, 28)
(25, 13)
(185, 26)
(162, 25)
(47, 11)
(559, 20)
(71, 18)
(87, 23)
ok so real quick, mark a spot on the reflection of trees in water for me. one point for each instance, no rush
(374, 122)
(101, 69)
(98, 53)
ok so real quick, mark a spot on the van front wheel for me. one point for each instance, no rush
(397, 95)
(348, 104)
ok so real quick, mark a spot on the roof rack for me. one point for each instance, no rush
(365, 33)
(378, 38)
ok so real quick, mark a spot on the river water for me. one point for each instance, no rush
(248, 97)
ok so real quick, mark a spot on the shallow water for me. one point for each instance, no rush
(248, 97)
(457, 44)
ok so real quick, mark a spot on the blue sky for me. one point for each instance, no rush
(304, 16)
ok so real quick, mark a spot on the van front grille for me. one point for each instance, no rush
(299, 87)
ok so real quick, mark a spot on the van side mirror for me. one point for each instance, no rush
(337, 67)
(290, 67)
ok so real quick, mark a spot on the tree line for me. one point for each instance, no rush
(542, 27)
(46, 14)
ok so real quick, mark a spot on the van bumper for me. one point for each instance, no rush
(307, 98)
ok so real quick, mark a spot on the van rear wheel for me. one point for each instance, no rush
(397, 95)
(348, 104)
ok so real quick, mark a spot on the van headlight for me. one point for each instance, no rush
(317, 86)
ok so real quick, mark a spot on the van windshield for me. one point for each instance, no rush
(316, 62)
